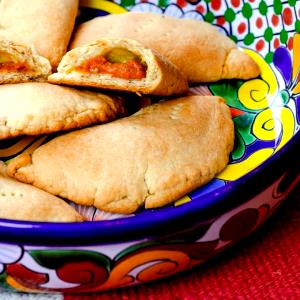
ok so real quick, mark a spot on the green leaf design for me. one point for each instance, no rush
(292, 2)
(249, 38)
(163, 3)
(277, 7)
(242, 123)
(239, 146)
(284, 97)
(269, 57)
(54, 259)
(263, 8)
(3, 283)
(243, 134)
(247, 11)
(127, 3)
(297, 26)
(229, 15)
(134, 248)
(209, 17)
(283, 36)
(268, 34)
(234, 38)
(229, 91)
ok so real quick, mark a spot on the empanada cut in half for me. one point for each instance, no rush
(19, 201)
(196, 47)
(149, 159)
(120, 64)
(35, 108)
(18, 63)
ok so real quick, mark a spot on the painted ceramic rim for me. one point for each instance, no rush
(161, 222)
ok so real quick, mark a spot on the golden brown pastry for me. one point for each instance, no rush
(21, 201)
(120, 64)
(148, 159)
(19, 64)
(36, 108)
(195, 47)
(40, 24)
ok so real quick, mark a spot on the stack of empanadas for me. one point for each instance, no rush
(148, 159)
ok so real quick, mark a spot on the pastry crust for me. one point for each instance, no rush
(162, 77)
(21, 201)
(39, 67)
(37, 108)
(44, 25)
(149, 159)
(195, 47)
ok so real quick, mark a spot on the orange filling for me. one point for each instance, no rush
(14, 67)
(131, 69)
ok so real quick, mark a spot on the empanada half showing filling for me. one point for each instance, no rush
(120, 64)
(18, 63)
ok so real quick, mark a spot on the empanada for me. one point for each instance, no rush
(36, 108)
(120, 64)
(25, 202)
(148, 159)
(195, 47)
(19, 64)
(45, 25)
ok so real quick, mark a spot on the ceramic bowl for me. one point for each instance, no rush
(120, 251)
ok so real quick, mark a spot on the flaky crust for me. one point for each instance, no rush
(40, 67)
(37, 108)
(21, 201)
(148, 159)
(41, 24)
(195, 47)
(162, 78)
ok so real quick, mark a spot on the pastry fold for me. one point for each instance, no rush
(40, 24)
(195, 47)
(149, 159)
(35, 108)
(21, 201)
(120, 64)
(19, 64)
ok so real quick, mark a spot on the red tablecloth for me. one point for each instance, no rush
(264, 266)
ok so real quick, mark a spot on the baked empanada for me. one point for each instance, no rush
(148, 159)
(195, 47)
(19, 64)
(25, 202)
(40, 24)
(36, 108)
(120, 64)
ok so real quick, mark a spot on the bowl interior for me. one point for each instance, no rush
(265, 110)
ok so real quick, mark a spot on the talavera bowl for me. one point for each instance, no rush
(120, 251)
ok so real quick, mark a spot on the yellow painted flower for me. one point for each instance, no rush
(268, 101)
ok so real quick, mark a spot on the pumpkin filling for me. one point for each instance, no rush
(117, 62)
(8, 64)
